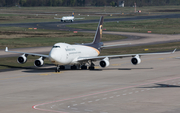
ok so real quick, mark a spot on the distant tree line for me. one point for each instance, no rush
(30, 3)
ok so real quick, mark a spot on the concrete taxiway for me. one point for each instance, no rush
(152, 86)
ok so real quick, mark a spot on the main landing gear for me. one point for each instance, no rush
(91, 67)
(74, 67)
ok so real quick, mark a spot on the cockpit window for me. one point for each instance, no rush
(56, 46)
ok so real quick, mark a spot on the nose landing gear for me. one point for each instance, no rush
(57, 69)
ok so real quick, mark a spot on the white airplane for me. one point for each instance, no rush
(68, 18)
(79, 55)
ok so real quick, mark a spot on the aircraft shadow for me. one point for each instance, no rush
(162, 86)
(12, 68)
(33, 69)
(119, 69)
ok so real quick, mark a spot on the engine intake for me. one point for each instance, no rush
(104, 63)
(39, 62)
(22, 59)
(136, 60)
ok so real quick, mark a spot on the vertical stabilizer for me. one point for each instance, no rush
(73, 13)
(98, 34)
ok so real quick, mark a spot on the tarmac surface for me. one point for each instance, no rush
(150, 87)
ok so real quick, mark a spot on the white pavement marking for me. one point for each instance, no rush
(104, 98)
(74, 104)
(97, 99)
(83, 103)
(88, 110)
(117, 95)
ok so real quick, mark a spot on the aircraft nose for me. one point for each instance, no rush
(54, 56)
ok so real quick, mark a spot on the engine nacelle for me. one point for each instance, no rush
(104, 63)
(22, 59)
(136, 60)
(39, 62)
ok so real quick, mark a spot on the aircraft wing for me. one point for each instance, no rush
(120, 56)
(108, 46)
(57, 18)
(33, 54)
(78, 18)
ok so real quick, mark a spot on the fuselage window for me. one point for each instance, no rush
(56, 46)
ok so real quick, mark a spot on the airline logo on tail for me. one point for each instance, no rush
(100, 27)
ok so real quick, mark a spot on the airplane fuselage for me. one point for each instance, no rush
(67, 18)
(66, 54)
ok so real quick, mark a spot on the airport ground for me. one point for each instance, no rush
(151, 86)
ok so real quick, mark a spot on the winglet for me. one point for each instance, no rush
(6, 49)
(174, 51)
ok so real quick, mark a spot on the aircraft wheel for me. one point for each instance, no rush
(62, 67)
(57, 69)
(74, 67)
(83, 67)
(91, 68)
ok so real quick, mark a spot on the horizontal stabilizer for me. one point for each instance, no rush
(107, 46)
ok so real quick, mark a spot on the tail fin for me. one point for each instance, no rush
(73, 13)
(98, 34)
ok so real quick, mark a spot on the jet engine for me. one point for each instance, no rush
(136, 60)
(39, 62)
(104, 63)
(22, 59)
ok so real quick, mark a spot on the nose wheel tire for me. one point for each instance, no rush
(57, 69)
